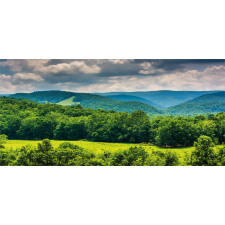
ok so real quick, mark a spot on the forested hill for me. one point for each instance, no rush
(45, 96)
(190, 109)
(214, 97)
(210, 103)
(206, 103)
(164, 98)
(87, 101)
(26, 120)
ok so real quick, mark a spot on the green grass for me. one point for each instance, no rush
(68, 101)
(100, 147)
(97, 147)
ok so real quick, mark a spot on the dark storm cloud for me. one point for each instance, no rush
(170, 65)
(108, 67)
(133, 67)
(78, 78)
(58, 61)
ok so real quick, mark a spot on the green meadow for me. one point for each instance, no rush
(68, 101)
(98, 147)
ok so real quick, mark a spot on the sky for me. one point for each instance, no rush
(111, 75)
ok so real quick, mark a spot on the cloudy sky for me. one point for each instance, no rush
(108, 75)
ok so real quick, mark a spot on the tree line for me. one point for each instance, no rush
(26, 120)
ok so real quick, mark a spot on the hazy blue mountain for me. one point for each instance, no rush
(202, 104)
(214, 97)
(130, 98)
(164, 98)
(209, 103)
(87, 101)
(195, 108)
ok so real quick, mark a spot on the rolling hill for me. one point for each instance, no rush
(164, 99)
(203, 104)
(209, 103)
(195, 108)
(87, 101)
(214, 97)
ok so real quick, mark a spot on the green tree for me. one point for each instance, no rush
(158, 158)
(204, 154)
(208, 128)
(44, 156)
(134, 156)
(3, 140)
(174, 132)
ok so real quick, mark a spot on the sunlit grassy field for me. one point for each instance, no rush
(100, 147)
(68, 101)
(96, 147)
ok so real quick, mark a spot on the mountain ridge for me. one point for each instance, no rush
(164, 98)
(209, 103)
(87, 100)
(212, 102)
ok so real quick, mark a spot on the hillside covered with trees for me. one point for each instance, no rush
(210, 103)
(25, 120)
(203, 104)
(87, 101)
(214, 97)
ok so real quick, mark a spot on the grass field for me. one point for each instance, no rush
(97, 147)
(68, 101)
(100, 147)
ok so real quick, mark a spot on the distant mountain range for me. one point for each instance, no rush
(152, 102)
(214, 97)
(163, 99)
(209, 103)
(87, 101)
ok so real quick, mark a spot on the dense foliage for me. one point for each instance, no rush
(21, 119)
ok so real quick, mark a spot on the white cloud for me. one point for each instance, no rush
(27, 76)
(72, 67)
(119, 61)
(18, 65)
(147, 68)
(19, 82)
(6, 86)
(40, 66)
